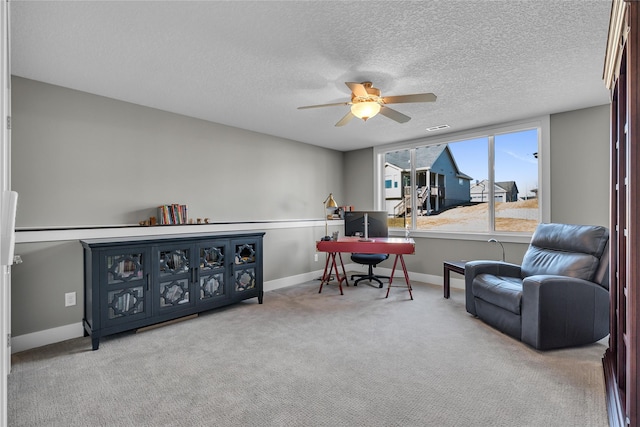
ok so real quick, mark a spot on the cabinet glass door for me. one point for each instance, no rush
(212, 273)
(244, 272)
(126, 285)
(245, 279)
(174, 277)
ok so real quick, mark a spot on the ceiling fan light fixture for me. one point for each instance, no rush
(365, 110)
(366, 102)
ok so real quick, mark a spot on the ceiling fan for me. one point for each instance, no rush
(366, 102)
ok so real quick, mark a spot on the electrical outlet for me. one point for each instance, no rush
(69, 299)
(315, 258)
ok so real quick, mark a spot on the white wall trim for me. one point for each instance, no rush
(55, 234)
(76, 330)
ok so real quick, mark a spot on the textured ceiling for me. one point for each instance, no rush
(250, 64)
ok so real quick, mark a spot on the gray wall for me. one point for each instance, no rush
(39, 284)
(80, 159)
(580, 166)
(358, 176)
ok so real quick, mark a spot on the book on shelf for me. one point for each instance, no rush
(172, 214)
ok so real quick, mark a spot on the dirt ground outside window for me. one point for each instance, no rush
(521, 216)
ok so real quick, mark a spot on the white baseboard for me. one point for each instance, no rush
(76, 330)
(272, 285)
(46, 337)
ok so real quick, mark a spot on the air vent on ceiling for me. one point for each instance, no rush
(434, 128)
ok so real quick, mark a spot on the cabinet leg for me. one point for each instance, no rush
(95, 342)
(260, 295)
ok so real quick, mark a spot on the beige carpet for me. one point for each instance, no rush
(309, 359)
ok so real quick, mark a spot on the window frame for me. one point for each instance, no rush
(542, 123)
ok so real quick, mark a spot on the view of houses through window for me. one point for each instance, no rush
(475, 185)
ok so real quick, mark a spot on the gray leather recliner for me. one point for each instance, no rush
(558, 297)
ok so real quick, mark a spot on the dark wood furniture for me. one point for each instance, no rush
(375, 245)
(135, 282)
(449, 266)
(622, 77)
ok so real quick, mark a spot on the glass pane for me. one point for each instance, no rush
(452, 186)
(516, 175)
(123, 268)
(174, 293)
(397, 188)
(211, 286)
(211, 257)
(245, 253)
(245, 279)
(174, 262)
(125, 302)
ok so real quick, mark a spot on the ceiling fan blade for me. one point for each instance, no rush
(346, 119)
(324, 105)
(358, 89)
(401, 99)
(394, 115)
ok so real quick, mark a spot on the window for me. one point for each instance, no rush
(483, 182)
(516, 181)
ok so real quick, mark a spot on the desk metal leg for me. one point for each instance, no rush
(393, 271)
(326, 275)
(344, 272)
(406, 275)
(335, 265)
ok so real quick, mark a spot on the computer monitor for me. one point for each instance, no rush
(354, 223)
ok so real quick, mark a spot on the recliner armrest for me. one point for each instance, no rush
(560, 311)
(473, 268)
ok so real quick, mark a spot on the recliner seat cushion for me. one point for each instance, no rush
(504, 292)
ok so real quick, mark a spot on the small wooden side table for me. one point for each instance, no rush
(449, 266)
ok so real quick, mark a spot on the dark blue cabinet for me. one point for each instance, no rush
(139, 281)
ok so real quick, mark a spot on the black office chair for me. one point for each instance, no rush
(376, 227)
(371, 260)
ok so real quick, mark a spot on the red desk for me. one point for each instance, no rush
(397, 246)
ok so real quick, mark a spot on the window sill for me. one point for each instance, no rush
(501, 236)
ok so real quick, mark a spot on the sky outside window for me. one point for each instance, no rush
(514, 159)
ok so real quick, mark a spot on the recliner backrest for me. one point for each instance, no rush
(566, 250)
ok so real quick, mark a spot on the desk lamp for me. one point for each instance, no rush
(500, 243)
(329, 203)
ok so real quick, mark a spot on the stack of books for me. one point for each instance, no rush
(172, 214)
